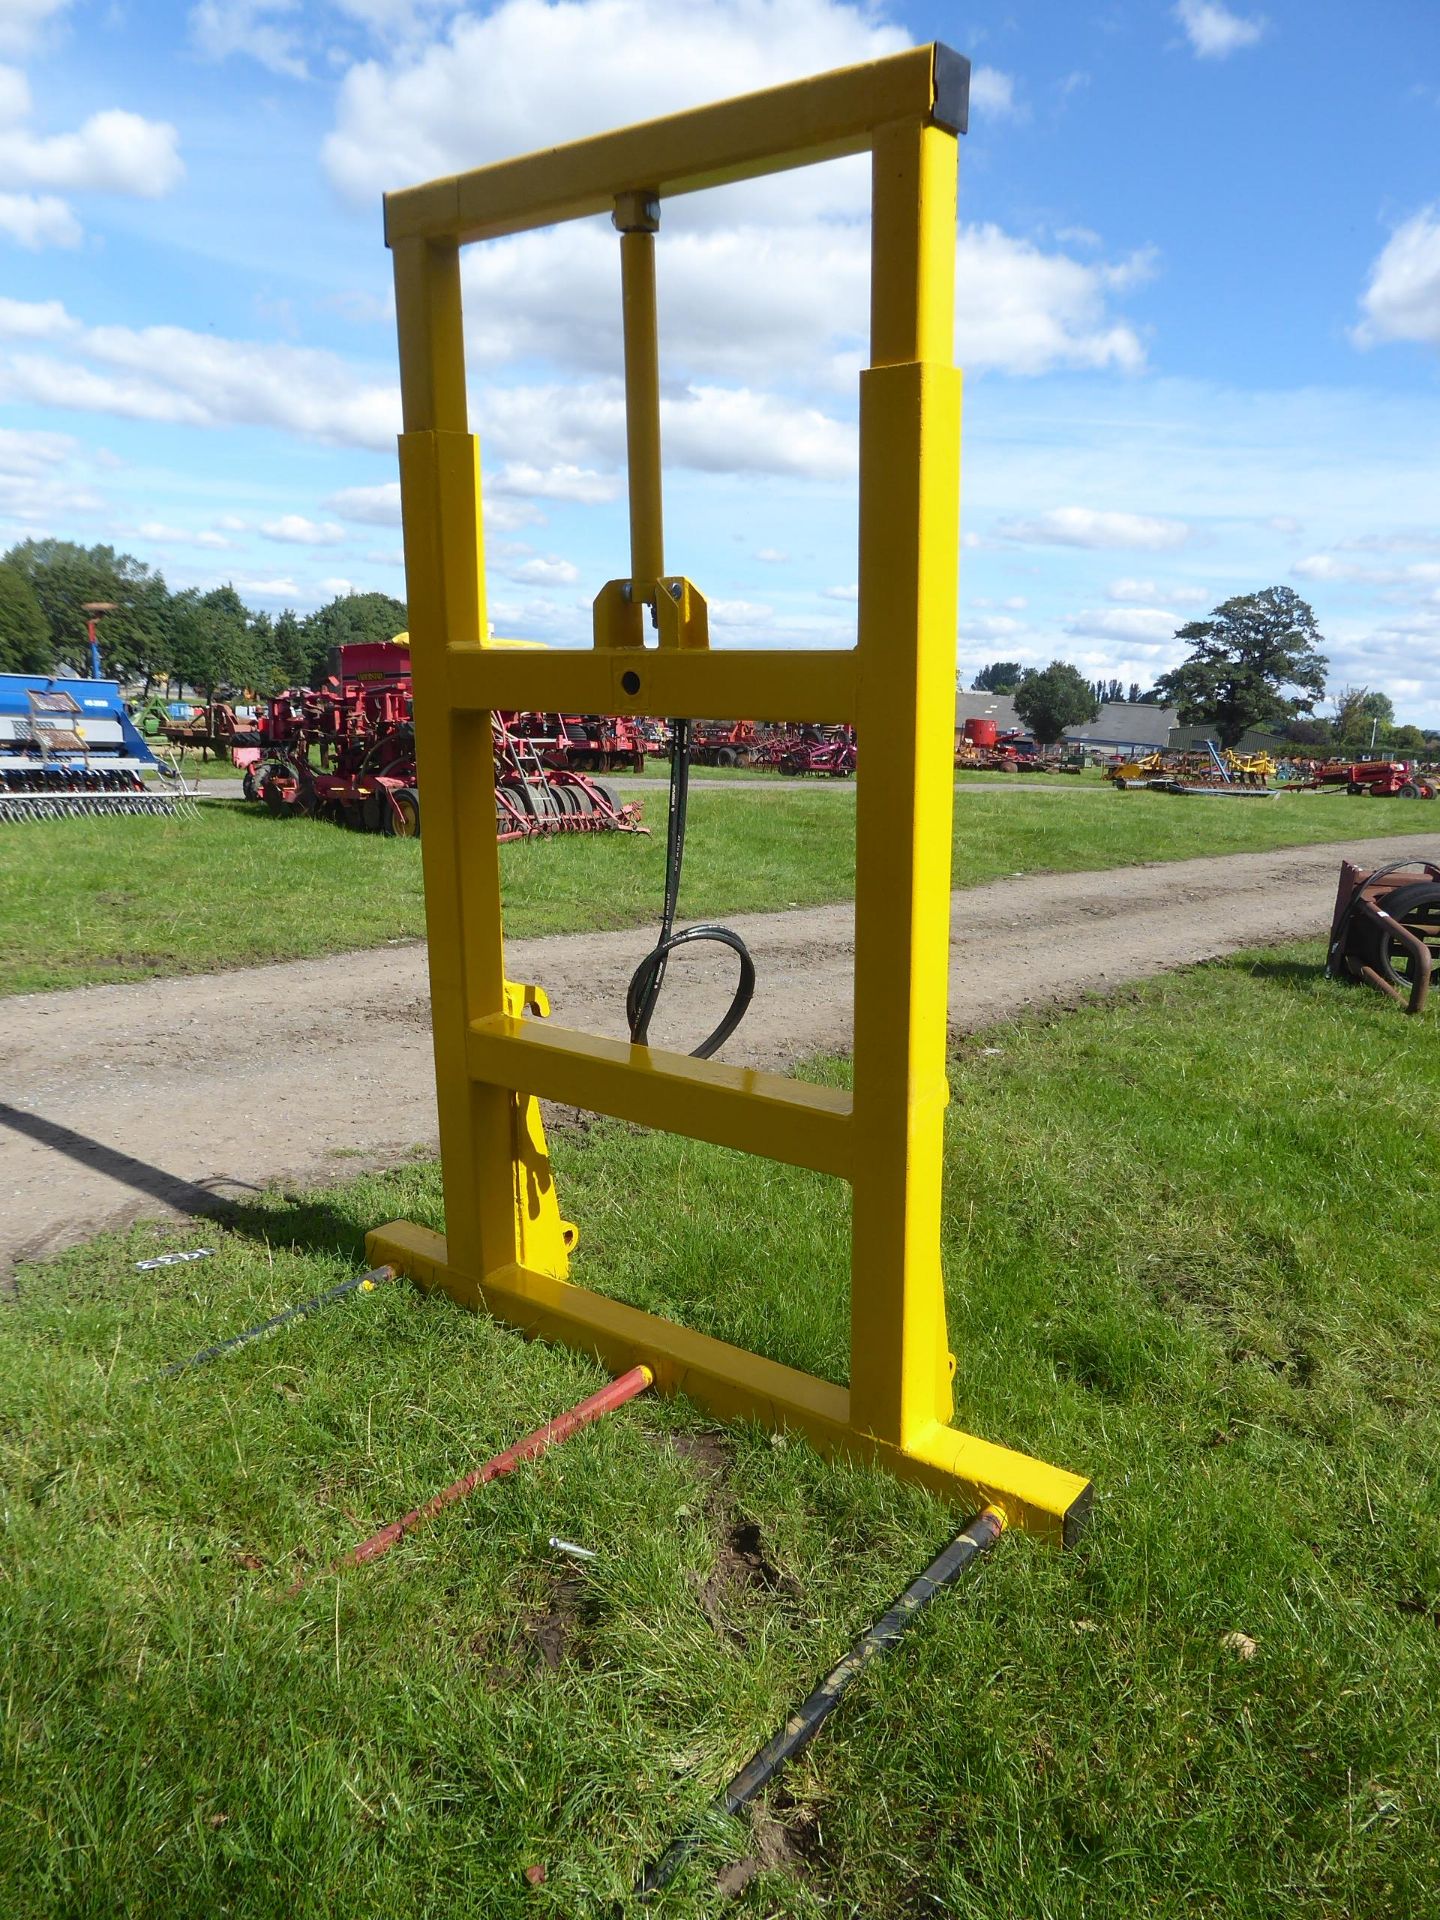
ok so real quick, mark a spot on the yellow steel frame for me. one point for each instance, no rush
(506, 1246)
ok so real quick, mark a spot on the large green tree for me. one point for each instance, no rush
(24, 631)
(1000, 676)
(292, 660)
(134, 639)
(1364, 717)
(351, 617)
(217, 647)
(1058, 697)
(1256, 662)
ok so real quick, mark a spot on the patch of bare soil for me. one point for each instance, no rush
(178, 1097)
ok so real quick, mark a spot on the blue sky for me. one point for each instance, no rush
(1198, 309)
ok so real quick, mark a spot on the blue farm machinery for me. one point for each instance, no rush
(69, 747)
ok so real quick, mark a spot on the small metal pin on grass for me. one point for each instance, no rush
(802, 1726)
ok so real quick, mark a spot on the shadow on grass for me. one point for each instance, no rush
(312, 1224)
(1302, 975)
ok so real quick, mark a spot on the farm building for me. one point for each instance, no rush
(1122, 726)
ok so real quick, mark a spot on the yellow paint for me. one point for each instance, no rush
(506, 1246)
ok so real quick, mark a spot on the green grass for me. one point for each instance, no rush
(1189, 1243)
(86, 901)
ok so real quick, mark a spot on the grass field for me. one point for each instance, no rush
(1189, 1246)
(83, 901)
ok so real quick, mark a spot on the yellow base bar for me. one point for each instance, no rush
(1039, 1499)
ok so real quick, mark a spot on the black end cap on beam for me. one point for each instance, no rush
(1077, 1514)
(952, 89)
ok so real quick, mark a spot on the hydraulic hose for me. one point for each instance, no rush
(649, 976)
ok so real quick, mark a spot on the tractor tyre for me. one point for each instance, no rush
(248, 786)
(403, 815)
(1410, 791)
(725, 757)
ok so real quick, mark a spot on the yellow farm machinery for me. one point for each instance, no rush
(1206, 769)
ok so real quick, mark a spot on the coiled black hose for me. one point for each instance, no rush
(649, 976)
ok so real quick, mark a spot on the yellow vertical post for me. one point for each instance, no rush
(909, 512)
(445, 585)
(637, 217)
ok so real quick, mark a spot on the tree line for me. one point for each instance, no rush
(209, 642)
(1255, 665)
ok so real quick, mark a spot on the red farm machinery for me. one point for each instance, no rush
(1381, 779)
(345, 752)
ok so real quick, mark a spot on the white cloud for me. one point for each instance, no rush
(740, 613)
(26, 451)
(1124, 623)
(46, 480)
(992, 94)
(1088, 527)
(23, 22)
(1147, 592)
(1402, 540)
(393, 18)
(183, 536)
(296, 530)
(564, 481)
(761, 302)
(772, 557)
(708, 429)
(1021, 310)
(543, 571)
(285, 592)
(989, 626)
(758, 282)
(372, 506)
(548, 73)
(1214, 32)
(1402, 301)
(220, 28)
(196, 379)
(1324, 566)
(112, 152)
(38, 220)
(841, 593)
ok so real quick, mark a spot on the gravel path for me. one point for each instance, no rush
(174, 1095)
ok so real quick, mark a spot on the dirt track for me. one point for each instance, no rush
(176, 1094)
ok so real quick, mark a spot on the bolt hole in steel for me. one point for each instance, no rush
(630, 682)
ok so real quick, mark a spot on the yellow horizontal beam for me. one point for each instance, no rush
(764, 1113)
(735, 1385)
(768, 132)
(746, 684)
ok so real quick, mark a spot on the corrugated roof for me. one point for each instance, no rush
(1126, 723)
(999, 707)
(1120, 723)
